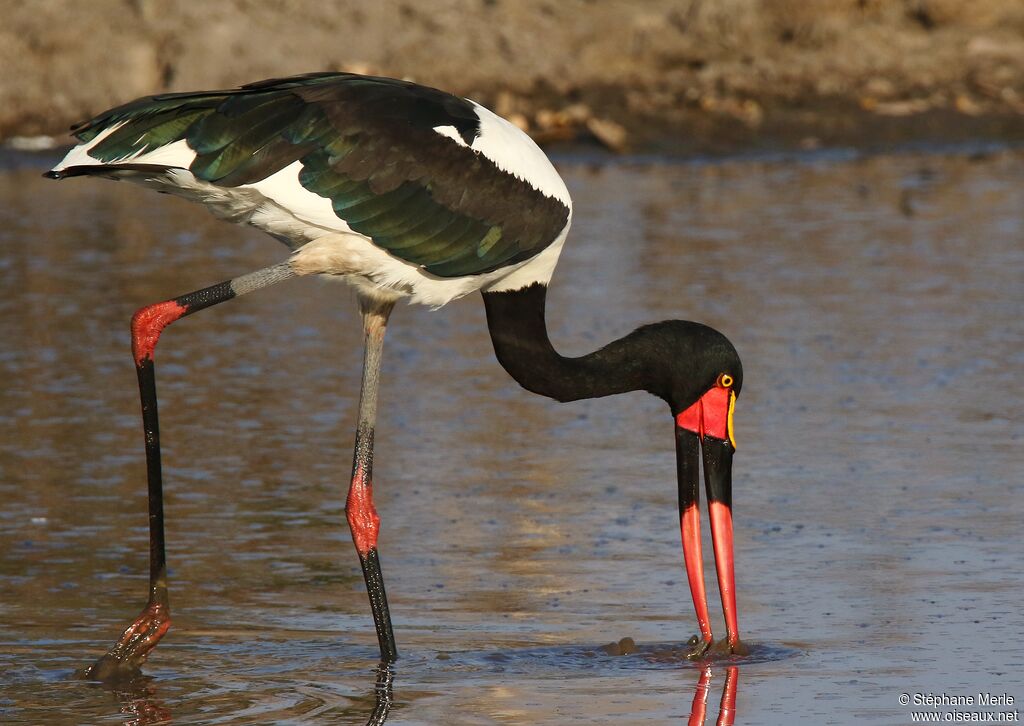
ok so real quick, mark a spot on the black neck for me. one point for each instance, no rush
(516, 323)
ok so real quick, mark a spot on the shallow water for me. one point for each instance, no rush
(877, 305)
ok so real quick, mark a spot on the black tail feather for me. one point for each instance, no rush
(107, 170)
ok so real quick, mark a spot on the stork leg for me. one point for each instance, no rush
(123, 659)
(359, 509)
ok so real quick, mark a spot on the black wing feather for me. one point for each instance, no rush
(368, 145)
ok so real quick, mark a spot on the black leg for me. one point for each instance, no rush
(125, 657)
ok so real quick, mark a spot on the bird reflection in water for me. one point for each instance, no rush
(140, 705)
(383, 695)
(727, 707)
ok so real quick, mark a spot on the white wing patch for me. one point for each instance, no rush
(283, 188)
(513, 151)
(79, 155)
(452, 133)
(177, 154)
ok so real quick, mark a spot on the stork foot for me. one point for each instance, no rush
(697, 647)
(724, 647)
(125, 658)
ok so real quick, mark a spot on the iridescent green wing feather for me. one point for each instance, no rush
(366, 144)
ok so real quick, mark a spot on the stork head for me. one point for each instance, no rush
(704, 378)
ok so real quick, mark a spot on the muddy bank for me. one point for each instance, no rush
(684, 74)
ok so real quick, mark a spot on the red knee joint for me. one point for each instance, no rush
(362, 515)
(148, 323)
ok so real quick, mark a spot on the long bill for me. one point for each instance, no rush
(718, 482)
(704, 432)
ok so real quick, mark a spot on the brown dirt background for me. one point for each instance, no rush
(684, 75)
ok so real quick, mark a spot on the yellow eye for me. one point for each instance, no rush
(725, 381)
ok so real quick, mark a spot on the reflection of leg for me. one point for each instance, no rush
(128, 653)
(699, 709)
(384, 695)
(727, 709)
(359, 509)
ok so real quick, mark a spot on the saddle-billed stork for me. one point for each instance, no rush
(405, 192)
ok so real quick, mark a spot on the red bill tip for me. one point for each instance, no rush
(689, 524)
(721, 535)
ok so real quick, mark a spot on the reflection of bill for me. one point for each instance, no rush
(727, 707)
(140, 704)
